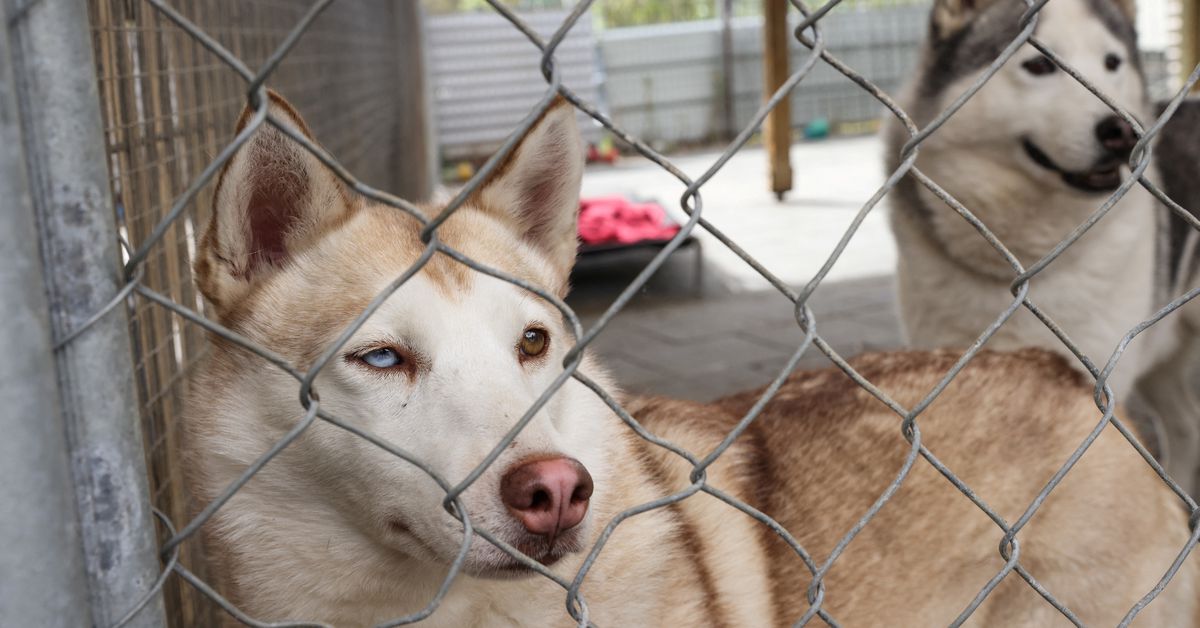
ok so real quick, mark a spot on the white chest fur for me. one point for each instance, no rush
(1096, 291)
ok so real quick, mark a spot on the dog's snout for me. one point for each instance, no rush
(1116, 136)
(547, 496)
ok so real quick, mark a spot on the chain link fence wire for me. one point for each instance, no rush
(169, 106)
(163, 123)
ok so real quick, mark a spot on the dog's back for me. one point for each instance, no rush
(824, 450)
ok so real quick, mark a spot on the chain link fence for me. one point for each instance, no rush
(172, 76)
(168, 108)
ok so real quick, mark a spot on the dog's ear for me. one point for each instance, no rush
(950, 16)
(536, 189)
(1129, 8)
(273, 199)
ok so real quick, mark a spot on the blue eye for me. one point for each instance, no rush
(384, 358)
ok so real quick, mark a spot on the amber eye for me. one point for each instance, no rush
(534, 342)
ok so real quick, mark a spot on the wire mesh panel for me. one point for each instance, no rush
(169, 106)
(174, 75)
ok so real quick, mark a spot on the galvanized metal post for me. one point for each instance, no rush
(728, 121)
(416, 168)
(42, 559)
(63, 140)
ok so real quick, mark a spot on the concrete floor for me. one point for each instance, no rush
(706, 348)
(832, 179)
(737, 332)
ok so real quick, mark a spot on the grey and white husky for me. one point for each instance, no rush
(1033, 154)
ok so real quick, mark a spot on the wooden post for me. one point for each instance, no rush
(1189, 37)
(777, 132)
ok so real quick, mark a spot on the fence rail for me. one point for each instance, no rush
(172, 76)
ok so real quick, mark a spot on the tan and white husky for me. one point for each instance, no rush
(336, 530)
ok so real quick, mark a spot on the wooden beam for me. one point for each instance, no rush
(777, 131)
(1189, 37)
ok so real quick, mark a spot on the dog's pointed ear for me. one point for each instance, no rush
(536, 189)
(1128, 8)
(273, 199)
(949, 17)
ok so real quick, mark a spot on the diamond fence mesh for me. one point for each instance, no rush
(173, 76)
(169, 107)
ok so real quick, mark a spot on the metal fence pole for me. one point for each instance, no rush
(64, 149)
(416, 168)
(39, 526)
(728, 119)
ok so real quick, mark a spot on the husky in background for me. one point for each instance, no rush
(1032, 155)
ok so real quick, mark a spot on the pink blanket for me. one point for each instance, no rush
(613, 219)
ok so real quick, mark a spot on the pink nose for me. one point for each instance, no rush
(547, 496)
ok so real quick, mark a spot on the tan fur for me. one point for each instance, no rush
(1004, 426)
(336, 530)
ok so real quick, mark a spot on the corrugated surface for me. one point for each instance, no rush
(486, 75)
(663, 82)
